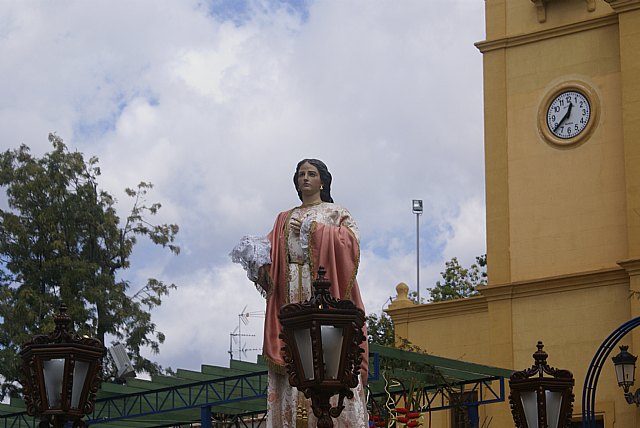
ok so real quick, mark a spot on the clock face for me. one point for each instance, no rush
(568, 114)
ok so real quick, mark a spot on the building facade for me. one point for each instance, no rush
(562, 165)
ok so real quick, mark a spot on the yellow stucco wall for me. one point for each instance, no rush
(563, 223)
(630, 66)
(567, 205)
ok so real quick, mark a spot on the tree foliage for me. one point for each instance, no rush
(380, 329)
(459, 282)
(62, 241)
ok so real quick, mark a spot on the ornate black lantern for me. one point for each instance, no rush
(61, 374)
(539, 401)
(322, 352)
(625, 364)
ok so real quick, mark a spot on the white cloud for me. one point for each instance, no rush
(199, 318)
(467, 233)
(217, 113)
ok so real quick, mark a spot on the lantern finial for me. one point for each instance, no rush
(540, 358)
(321, 285)
(62, 320)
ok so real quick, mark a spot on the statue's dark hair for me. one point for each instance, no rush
(325, 177)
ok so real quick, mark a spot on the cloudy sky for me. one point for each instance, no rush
(215, 102)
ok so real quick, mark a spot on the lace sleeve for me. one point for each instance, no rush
(252, 253)
(305, 230)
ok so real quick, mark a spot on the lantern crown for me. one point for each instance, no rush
(624, 357)
(540, 367)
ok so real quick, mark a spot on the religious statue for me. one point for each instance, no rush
(282, 265)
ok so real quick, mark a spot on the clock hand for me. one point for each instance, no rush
(566, 115)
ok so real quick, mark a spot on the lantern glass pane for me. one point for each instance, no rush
(53, 377)
(625, 374)
(80, 371)
(305, 350)
(530, 406)
(331, 350)
(554, 401)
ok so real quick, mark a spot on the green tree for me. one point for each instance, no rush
(459, 282)
(380, 329)
(62, 241)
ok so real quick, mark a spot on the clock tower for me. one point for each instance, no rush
(562, 165)
(562, 136)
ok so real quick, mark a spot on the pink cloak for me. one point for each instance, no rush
(336, 248)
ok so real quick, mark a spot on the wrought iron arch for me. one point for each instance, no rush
(593, 373)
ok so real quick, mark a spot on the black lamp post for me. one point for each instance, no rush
(61, 374)
(322, 352)
(625, 364)
(539, 401)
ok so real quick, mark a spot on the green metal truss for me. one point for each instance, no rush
(237, 394)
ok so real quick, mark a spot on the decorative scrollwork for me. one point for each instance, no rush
(540, 367)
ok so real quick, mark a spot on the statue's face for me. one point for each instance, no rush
(309, 182)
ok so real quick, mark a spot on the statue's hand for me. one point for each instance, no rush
(295, 225)
(263, 274)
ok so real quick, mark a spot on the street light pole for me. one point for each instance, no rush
(417, 210)
(418, 255)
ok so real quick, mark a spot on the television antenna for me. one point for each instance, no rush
(235, 337)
